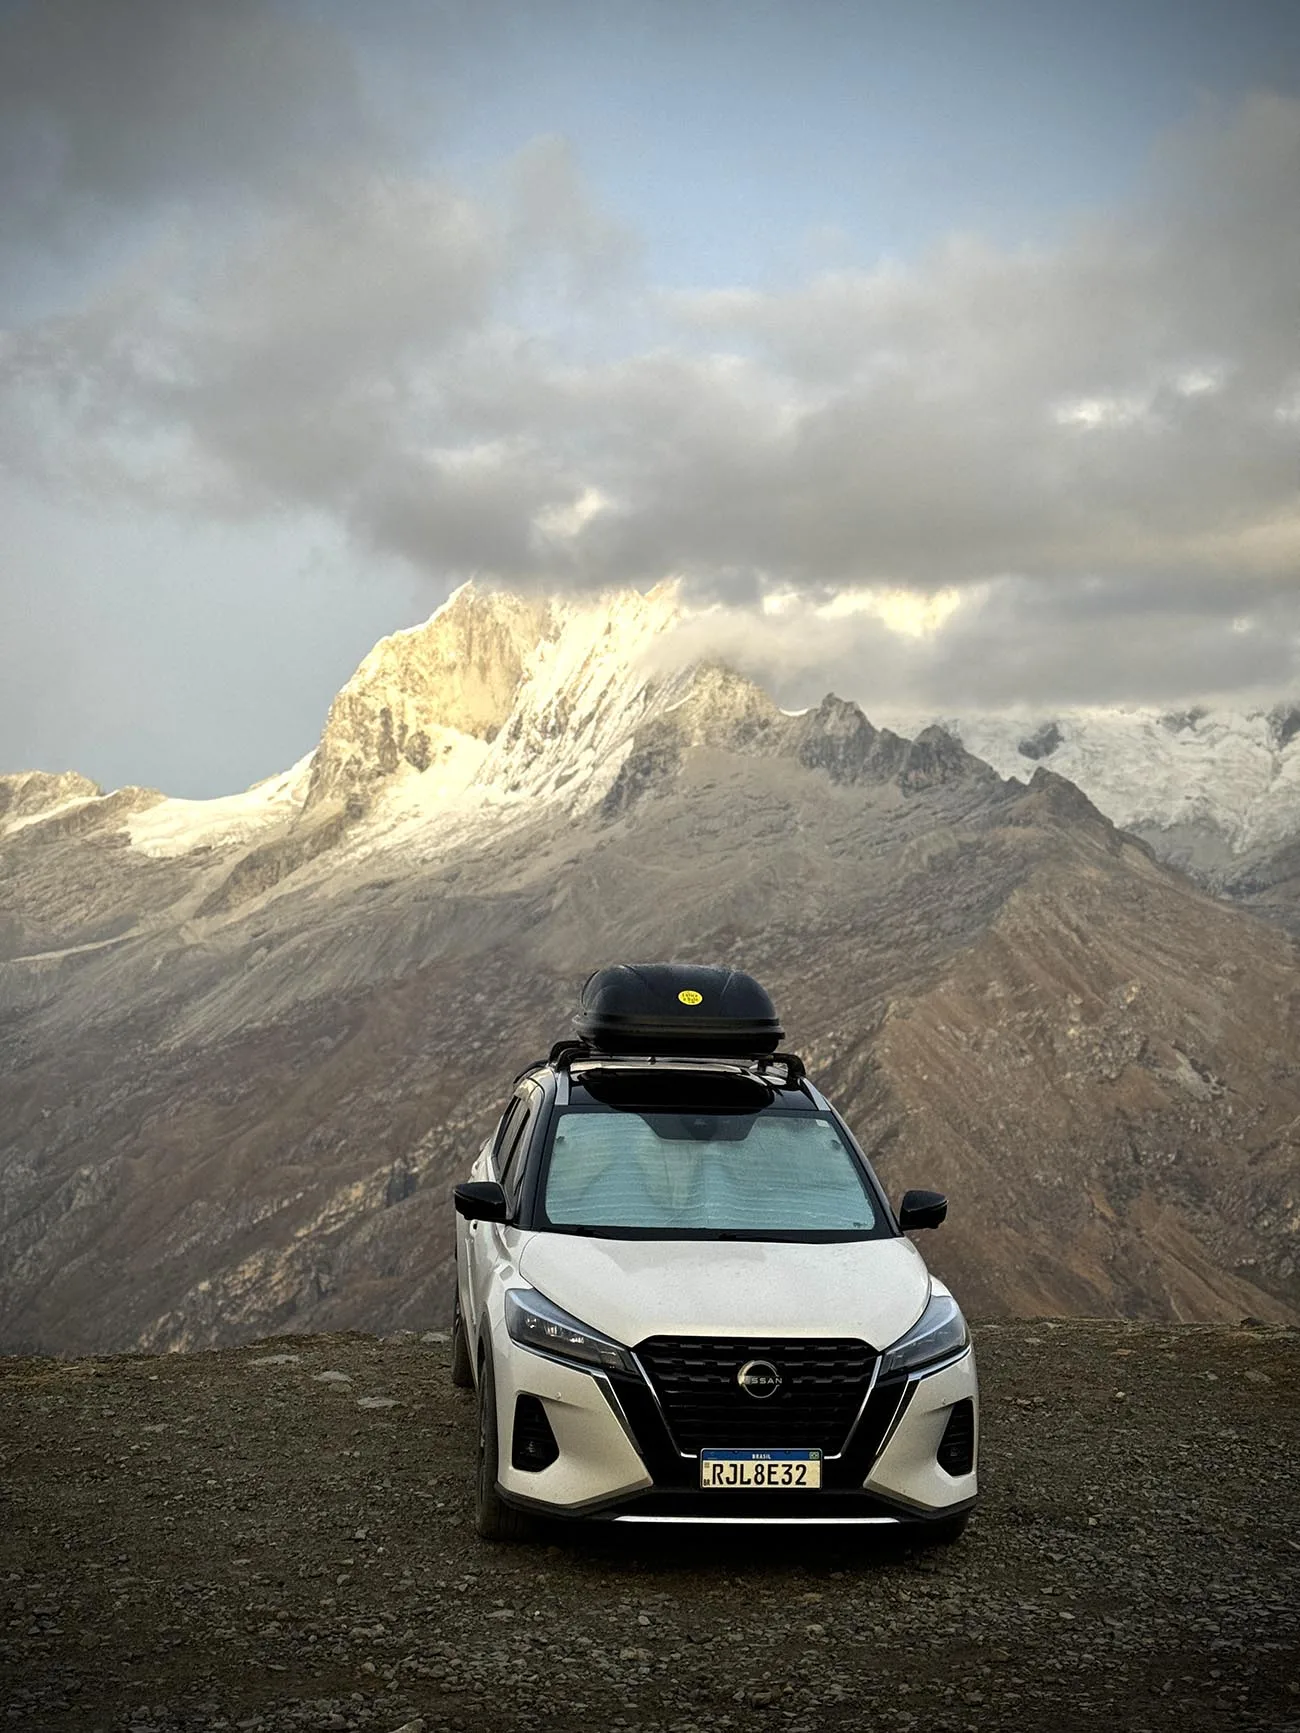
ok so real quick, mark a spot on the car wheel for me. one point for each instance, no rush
(462, 1370)
(493, 1519)
(942, 1532)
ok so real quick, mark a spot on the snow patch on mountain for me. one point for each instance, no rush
(586, 689)
(1232, 775)
(177, 827)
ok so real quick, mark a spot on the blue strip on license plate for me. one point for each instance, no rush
(785, 1470)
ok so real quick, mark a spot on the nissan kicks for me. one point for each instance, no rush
(683, 1297)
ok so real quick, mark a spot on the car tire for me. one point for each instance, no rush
(944, 1531)
(462, 1368)
(494, 1519)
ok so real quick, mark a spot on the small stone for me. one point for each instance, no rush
(431, 1337)
(330, 1378)
(1258, 1378)
(376, 1402)
(277, 1360)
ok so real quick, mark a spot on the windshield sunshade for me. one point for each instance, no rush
(707, 1172)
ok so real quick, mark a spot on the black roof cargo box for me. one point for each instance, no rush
(677, 1008)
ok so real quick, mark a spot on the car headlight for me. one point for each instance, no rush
(534, 1322)
(938, 1333)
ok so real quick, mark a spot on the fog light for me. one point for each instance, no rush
(534, 1445)
(956, 1451)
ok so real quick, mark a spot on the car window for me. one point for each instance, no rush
(711, 1172)
(510, 1162)
(504, 1139)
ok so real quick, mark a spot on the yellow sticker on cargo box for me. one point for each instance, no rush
(689, 996)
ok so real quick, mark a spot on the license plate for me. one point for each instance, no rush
(729, 1470)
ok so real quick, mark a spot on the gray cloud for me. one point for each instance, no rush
(109, 105)
(1096, 439)
(1014, 642)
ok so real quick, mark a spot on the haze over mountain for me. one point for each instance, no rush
(249, 1043)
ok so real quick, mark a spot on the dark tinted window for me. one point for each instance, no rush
(510, 1160)
(506, 1130)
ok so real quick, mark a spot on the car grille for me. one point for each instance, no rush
(822, 1387)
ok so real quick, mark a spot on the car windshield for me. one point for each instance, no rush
(741, 1173)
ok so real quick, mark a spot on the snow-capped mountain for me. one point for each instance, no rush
(246, 1044)
(1202, 786)
(500, 701)
(495, 702)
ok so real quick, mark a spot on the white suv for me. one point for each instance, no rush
(682, 1296)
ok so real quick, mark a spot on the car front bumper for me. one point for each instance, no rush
(618, 1461)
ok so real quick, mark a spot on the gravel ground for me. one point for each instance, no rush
(278, 1537)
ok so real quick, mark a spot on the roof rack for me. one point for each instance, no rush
(565, 1052)
(567, 1055)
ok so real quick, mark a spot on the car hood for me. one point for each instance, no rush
(631, 1289)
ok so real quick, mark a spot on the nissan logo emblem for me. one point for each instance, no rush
(759, 1378)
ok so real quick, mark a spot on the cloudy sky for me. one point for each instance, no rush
(952, 347)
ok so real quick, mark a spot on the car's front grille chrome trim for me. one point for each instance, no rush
(857, 1418)
(608, 1392)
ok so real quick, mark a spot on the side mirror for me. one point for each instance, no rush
(481, 1201)
(921, 1209)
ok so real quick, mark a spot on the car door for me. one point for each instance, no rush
(488, 1242)
(470, 1233)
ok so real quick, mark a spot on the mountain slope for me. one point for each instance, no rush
(243, 1071)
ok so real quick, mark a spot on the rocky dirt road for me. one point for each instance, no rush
(277, 1537)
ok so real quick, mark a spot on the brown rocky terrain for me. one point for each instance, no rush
(240, 1072)
(279, 1539)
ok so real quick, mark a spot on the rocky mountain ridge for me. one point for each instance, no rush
(498, 696)
(1216, 792)
(248, 1044)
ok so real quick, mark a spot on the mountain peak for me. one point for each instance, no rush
(30, 797)
(422, 690)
